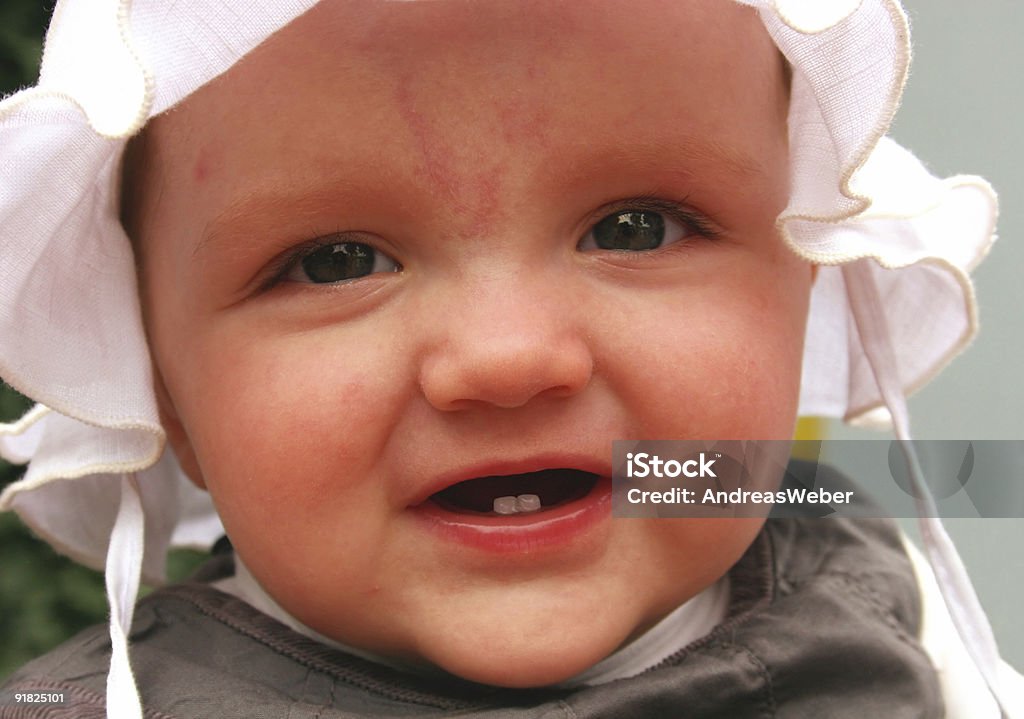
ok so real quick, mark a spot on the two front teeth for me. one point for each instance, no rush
(516, 505)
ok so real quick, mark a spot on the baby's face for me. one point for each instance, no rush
(405, 245)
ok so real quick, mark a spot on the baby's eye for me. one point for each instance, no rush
(339, 262)
(633, 230)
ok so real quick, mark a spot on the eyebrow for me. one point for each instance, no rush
(695, 156)
(269, 201)
(698, 166)
(735, 162)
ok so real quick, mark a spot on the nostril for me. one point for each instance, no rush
(562, 391)
(506, 371)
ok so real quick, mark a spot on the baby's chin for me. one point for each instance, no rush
(525, 639)
(507, 656)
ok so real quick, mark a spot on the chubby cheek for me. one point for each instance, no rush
(285, 431)
(725, 366)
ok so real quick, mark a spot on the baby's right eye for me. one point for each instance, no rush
(645, 224)
(335, 262)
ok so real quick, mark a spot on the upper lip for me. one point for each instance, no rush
(535, 463)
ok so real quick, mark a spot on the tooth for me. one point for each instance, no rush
(505, 505)
(527, 503)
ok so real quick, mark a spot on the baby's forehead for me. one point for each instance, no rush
(463, 104)
(408, 28)
(502, 53)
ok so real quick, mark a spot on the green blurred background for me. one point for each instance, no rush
(44, 598)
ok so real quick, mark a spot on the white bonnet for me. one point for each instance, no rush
(71, 334)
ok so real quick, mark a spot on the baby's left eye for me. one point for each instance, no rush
(634, 230)
(334, 262)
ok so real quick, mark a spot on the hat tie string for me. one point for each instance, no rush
(961, 600)
(123, 570)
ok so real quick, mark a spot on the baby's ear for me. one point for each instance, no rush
(177, 438)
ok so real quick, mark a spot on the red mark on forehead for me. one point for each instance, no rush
(472, 143)
(435, 155)
(466, 180)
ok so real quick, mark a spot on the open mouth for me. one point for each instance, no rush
(516, 493)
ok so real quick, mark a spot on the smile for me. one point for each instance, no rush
(524, 513)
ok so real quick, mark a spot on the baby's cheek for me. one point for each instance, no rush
(752, 365)
(720, 383)
(685, 556)
(288, 428)
(286, 441)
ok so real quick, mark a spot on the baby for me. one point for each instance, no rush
(478, 242)
(406, 261)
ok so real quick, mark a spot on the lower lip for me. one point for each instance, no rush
(545, 530)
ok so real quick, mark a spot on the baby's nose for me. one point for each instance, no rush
(511, 345)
